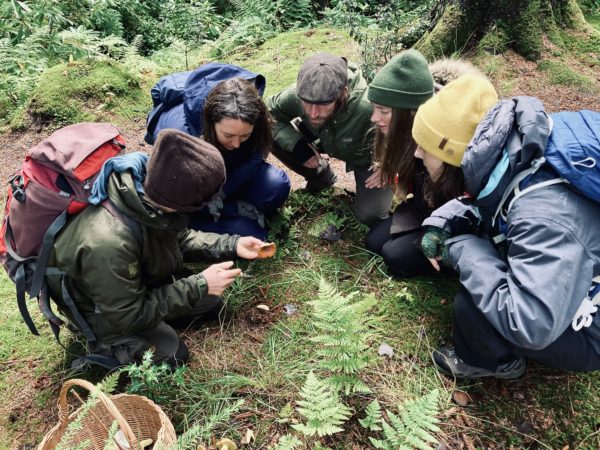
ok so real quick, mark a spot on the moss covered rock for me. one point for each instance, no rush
(82, 91)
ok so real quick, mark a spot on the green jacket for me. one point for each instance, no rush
(120, 288)
(345, 136)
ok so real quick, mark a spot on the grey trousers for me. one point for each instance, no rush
(369, 205)
(163, 340)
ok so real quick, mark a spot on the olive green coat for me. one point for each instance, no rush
(120, 288)
(346, 136)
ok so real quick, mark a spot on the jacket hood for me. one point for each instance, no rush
(356, 82)
(514, 131)
(122, 192)
(201, 81)
(357, 92)
(446, 70)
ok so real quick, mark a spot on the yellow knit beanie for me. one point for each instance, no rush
(445, 123)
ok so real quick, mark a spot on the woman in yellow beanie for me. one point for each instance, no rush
(396, 92)
(443, 128)
(525, 243)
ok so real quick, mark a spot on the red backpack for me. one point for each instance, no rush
(54, 183)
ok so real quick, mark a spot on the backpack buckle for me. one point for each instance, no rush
(17, 185)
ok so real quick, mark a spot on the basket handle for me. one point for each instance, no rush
(63, 412)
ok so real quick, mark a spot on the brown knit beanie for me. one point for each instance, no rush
(183, 172)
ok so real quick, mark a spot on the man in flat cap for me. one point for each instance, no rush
(327, 111)
(122, 261)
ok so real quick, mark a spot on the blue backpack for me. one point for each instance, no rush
(573, 150)
(178, 99)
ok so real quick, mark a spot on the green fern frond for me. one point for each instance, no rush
(80, 42)
(321, 407)
(288, 442)
(348, 384)
(411, 428)
(190, 439)
(372, 416)
(249, 8)
(109, 383)
(320, 224)
(345, 330)
(294, 13)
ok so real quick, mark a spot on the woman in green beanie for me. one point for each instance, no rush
(396, 92)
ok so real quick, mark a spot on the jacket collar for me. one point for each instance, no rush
(513, 133)
(122, 192)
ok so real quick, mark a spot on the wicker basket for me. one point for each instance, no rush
(138, 417)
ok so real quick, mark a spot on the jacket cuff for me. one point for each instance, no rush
(202, 286)
(234, 243)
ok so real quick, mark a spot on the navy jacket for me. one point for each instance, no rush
(178, 102)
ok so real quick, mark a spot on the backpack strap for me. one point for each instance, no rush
(106, 362)
(42, 261)
(20, 285)
(55, 323)
(514, 191)
(79, 320)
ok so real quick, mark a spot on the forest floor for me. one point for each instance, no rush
(261, 353)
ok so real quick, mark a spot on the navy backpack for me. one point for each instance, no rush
(178, 99)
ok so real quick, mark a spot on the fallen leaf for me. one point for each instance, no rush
(249, 437)
(385, 350)
(267, 250)
(461, 398)
(263, 307)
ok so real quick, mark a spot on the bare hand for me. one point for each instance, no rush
(374, 181)
(219, 277)
(312, 163)
(247, 247)
(435, 263)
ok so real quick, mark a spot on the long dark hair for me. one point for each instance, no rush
(447, 184)
(237, 98)
(395, 152)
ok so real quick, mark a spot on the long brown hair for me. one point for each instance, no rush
(395, 151)
(449, 183)
(237, 98)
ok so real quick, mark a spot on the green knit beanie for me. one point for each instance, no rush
(403, 83)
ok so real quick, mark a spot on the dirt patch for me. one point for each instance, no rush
(522, 77)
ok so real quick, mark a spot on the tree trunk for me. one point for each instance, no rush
(498, 24)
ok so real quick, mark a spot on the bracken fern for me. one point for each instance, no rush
(345, 330)
(321, 407)
(372, 417)
(288, 442)
(411, 429)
